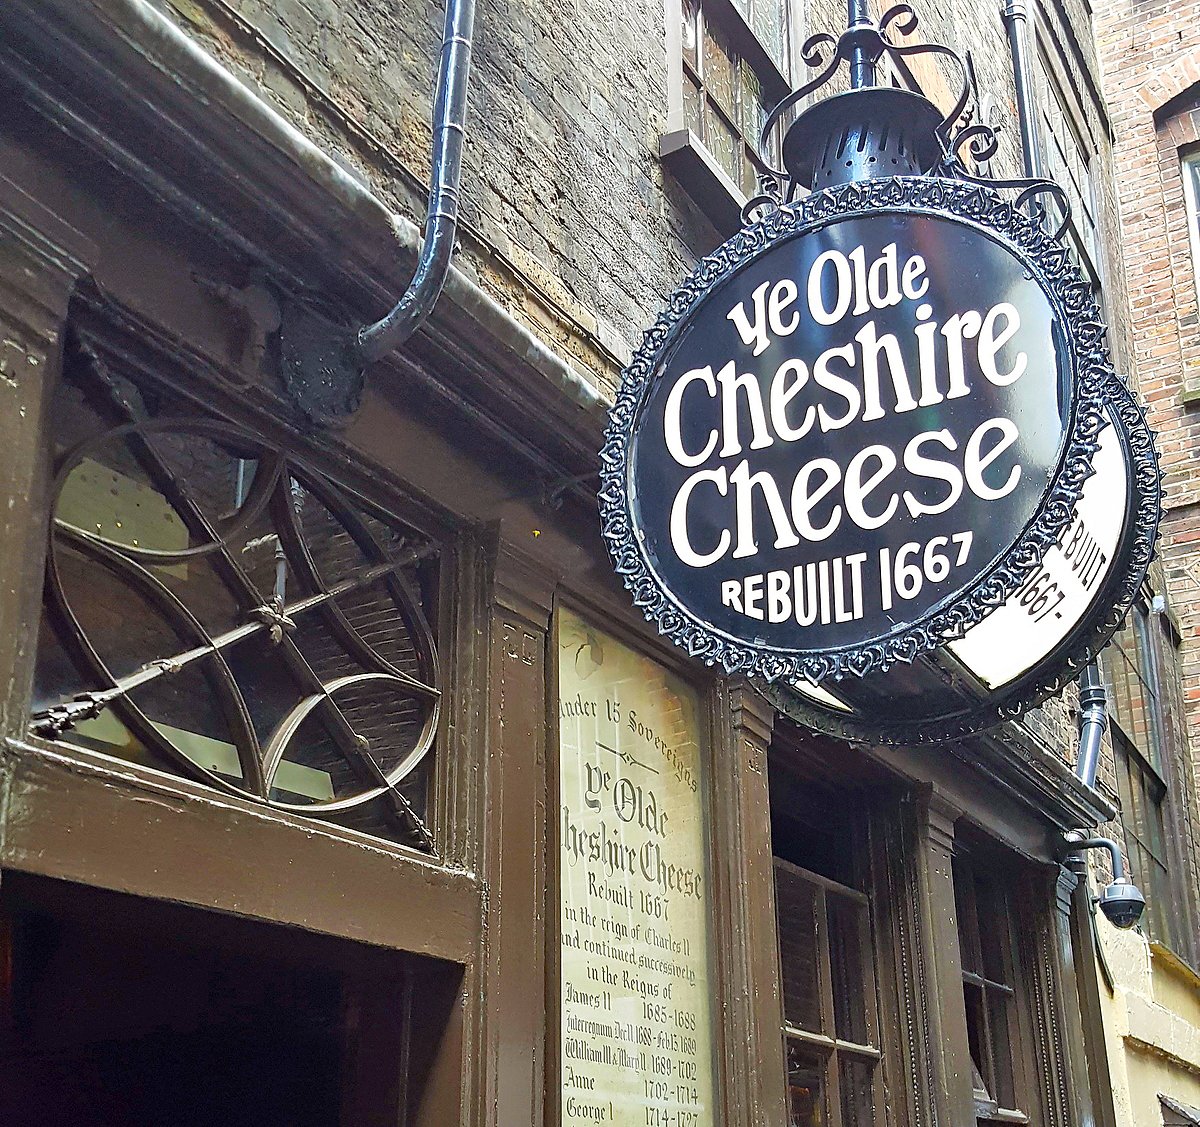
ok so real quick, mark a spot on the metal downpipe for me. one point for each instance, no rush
(1093, 719)
(441, 220)
(1016, 18)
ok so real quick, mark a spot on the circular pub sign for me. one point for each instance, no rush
(855, 435)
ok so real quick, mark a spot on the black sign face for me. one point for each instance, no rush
(856, 431)
(856, 425)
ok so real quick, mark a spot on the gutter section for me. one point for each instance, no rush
(183, 63)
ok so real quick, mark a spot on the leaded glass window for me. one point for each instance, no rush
(216, 608)
(1068, 161)
(726, 94)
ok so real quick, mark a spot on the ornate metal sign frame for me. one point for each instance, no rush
(1076, 651)
(1095, 384)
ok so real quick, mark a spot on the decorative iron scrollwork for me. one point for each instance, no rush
(958, 135)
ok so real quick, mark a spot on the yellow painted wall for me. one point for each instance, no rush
(1152, 1027)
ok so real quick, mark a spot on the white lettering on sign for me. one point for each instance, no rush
(868, 377)
(833, 590)
(824, 410)
(862, 492)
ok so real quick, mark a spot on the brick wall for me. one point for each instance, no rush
(1150, 56)
(569, 219)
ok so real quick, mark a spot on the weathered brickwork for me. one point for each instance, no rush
(1151, 62)
(570, 220)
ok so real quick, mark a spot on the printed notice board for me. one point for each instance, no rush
(636, 1037)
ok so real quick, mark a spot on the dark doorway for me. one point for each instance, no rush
(120, 1011)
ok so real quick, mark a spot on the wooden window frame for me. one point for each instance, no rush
(838, 1050)
(1003, 989)
(1146, 779)
(1144, 796)
(683, 147)
(95, 813)
(1189, 170)
(101, 374)
(695, 73)
(1090, 250)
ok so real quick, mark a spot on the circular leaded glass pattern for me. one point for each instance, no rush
(218, 606)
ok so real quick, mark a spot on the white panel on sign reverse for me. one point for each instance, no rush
(1060, 592)
(815, 692)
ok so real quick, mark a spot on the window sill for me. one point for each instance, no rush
(703, 179)
(95, 814)
(986, 1111)
(1174, 963)
(1189, 396)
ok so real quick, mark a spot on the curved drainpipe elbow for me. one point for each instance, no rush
(449, 127)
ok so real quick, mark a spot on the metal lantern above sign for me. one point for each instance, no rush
(873, 454)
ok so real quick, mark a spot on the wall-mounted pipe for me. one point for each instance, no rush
(1120, 900)
(441, 220)
(1016, 23)
(1092, 702)
(1093, 719)
(1107, 844)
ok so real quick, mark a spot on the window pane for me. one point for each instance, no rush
(1155, 835)
(692, 101)
(806, 1086)
(1143, 822)
(1132, 679)
(797, 909)
(1148, 678)
(999, 1006)
(752, 112)
(689, 18)
(968, 937)
(989, 992)
(724, 144)
(993, 938)
(1191, 175)
(719, 77)
(977, 1034)
(846, 969)
(749, 175)
(1067, 161)
(768, 21)
(857, 1091)
(1166, 923)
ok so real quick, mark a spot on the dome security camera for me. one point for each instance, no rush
(1122, 903)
